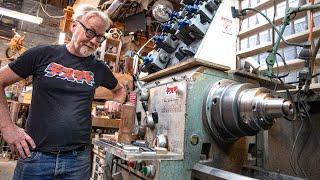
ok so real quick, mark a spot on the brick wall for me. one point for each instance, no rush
(45, 33)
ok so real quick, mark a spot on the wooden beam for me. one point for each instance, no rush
(93, 3)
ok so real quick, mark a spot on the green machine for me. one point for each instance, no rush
(204, 116)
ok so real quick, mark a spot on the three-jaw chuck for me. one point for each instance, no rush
(232, 110)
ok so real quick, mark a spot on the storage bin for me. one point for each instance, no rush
(245, 24)
(292, 77)
(316, 19)
(252, 41)
(288, 30)
(243, 44)
(253, 21)
(261, 19)
(300, 25)
(244, 4)
(293, 3)
(278, 58)
(270, 13)
(289, 53)
(253, 3)
(264, 37)
(281, 9)
(262, 58)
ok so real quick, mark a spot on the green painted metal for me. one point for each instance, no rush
(198, 85)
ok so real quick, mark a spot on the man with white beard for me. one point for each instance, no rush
(55, 142)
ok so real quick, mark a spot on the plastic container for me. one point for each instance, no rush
(243, 44)
(254, 3)
(253, 41)
(264, 37)
(245, 4)
(288, 30)
(298, 50)
(241, 64)
(292, 77)
(270, 13)
(289, 53)
(316, 19)
(261, 19)
(278, 58)
(245, 24)
(262, 58)
(293, 3)
(281, 9)
(300, 25)
(253, 21)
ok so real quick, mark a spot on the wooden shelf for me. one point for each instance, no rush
(293, 64)
(104, 122)
(113, 41)
(297, 37)
(111, 56)
(264, 26)
(263, 4)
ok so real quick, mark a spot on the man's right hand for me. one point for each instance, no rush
(17, 139)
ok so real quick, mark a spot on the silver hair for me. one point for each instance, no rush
(84, 9)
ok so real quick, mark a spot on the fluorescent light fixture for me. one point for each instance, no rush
(61, 38)
(21, 16)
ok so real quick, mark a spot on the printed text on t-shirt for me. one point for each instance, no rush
(69, 74)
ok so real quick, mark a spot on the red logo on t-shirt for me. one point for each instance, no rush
(69, 74)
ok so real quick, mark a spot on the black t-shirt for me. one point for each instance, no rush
(63, 90)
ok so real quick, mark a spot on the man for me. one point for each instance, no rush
(54, 144)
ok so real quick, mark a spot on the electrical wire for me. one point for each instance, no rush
(55, 17)
(273, 21)
(304, 106)
(291, 99)
(285, 65)
(302, 109)
(284, 85)
(273, 26)
(296, 138)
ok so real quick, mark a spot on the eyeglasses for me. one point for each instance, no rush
(91, 34)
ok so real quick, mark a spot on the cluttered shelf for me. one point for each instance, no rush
(111, 56)
(297, 37)
(263, 26)
(294, 64)
(263, 4)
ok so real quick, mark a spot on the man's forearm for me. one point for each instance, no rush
(120, 94)
(5, 119)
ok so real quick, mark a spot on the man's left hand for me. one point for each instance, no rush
(112, 106)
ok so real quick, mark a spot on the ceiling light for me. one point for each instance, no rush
(21, 16)
(161, 10)
(62, 36)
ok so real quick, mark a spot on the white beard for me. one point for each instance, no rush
(86, 51)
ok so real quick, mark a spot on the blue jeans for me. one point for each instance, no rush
(73, 165)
